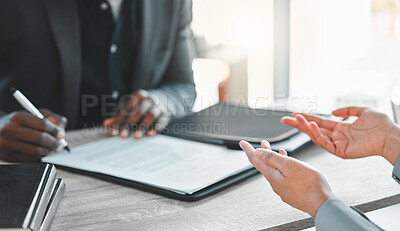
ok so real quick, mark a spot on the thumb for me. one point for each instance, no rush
(272, 158)
(349, 111)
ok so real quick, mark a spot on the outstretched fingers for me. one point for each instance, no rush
(318, 129)
(257, 159)
(349, 111)
(250, 152)
(322, 139)
(304, 125)
(323, 123)
(290, 121)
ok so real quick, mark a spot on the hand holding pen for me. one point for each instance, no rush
(25, 137)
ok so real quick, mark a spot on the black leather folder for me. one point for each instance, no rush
(208, 191)
(227, 124)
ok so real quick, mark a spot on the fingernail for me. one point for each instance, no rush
(59, 148)
(52, 119)
(114, 132)
(300, 116)
(125, 133)
(63, 122)
(241, 144)
(60, 134)
(152, 133)
(282, 151)
(139, 134)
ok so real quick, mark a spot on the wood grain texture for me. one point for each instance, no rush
(93, 204)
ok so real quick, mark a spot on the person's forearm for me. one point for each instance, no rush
(391, 150)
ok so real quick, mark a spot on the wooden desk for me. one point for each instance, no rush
(92, 204)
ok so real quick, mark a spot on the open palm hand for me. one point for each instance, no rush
(364, 137)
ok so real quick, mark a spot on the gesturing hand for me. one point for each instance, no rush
(297, 183)
(141, 114)
(26, 138)
(369, 135)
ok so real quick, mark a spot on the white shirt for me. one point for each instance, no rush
(115, 8)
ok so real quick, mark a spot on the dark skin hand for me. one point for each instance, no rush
(141, 114)
(26, 138)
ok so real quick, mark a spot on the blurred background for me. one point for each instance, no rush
(342, 52)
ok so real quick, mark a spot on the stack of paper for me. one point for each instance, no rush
(165, 162)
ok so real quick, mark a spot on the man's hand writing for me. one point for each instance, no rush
(26, 138)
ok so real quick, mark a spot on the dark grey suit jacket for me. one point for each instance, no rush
(40, 53)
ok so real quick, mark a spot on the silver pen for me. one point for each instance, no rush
(25, 103)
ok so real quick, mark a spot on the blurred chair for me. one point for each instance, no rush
(211, 79)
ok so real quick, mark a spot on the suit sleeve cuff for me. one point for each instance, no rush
(396, 171)
(336, 215)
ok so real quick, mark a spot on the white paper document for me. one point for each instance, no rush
(165, 162)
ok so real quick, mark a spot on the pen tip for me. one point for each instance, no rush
(67, 148)
(12, 90)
